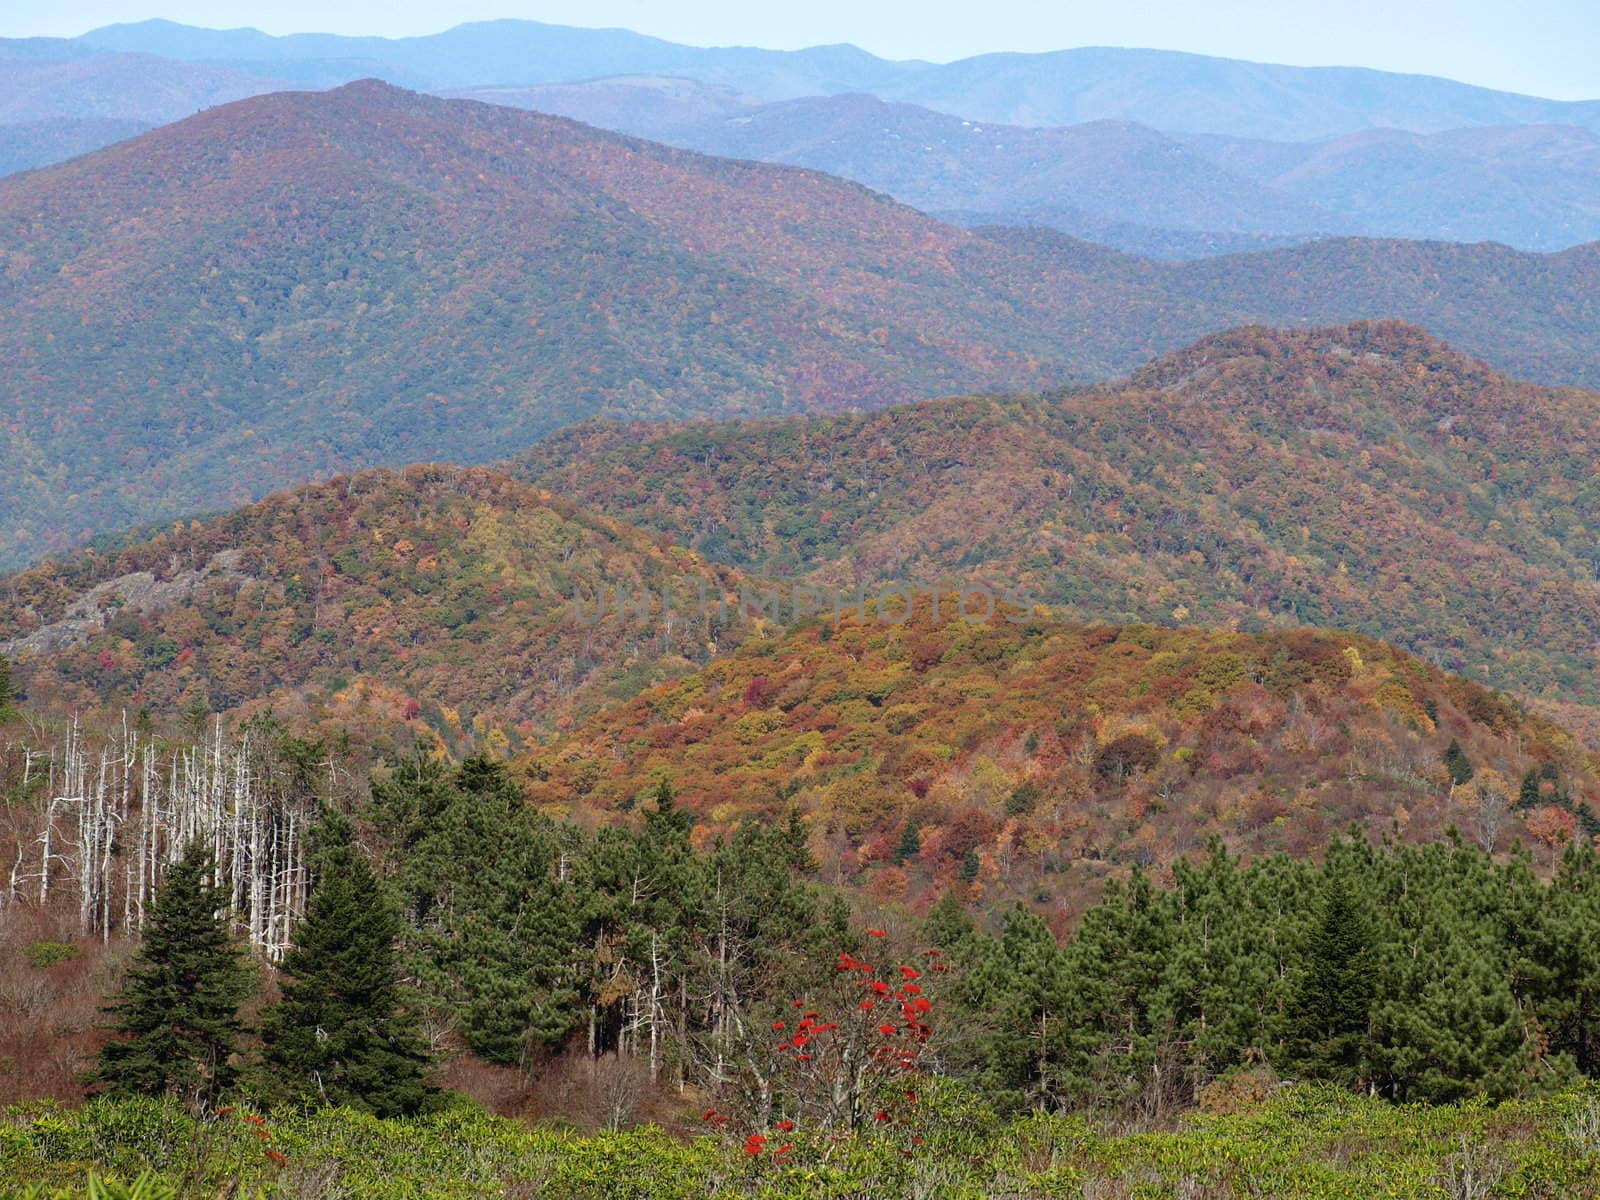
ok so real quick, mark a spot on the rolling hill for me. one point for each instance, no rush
(433, 606)
(433, 603)
(1033, 759)
(300, 284)
(1363, 477)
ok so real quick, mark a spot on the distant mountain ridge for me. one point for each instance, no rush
(1125, 184)
(1163, 89)
(1253, 156)
(30, 144)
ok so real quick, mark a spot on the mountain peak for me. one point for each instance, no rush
(1398, 342)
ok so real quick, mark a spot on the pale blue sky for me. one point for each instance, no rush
(1543, 47)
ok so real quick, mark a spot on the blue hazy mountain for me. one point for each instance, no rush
(1167, 90)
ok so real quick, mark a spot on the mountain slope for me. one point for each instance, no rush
(118, 87)
(1364, 477)
(1108, 170)
(302, 284)
(433, 602)
(1536, 316)
(1021, 756)
(33, 144)
(1531, 186)
(305, 283)
(1159, 88)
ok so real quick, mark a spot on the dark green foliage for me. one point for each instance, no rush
(492, 919)
(910, 844)
(969, 865)
(1023, 990)
(1023, 799)
(177, 1016)
(530, 937)
(338, 1034)
(8, 691)
(1528, 794)
(1426, 974)
(1331, 1000)
(1456, 762)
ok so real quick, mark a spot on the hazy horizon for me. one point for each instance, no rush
(1547, 48)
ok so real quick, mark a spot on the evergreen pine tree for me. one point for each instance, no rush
(947, 924)
(666, 820)
(338, 1034)
(1023, 989)
(1455, 761)
(1528, 794)
(969, 865)
(490, 924)
(178, 1012)
(1115, 965)
(910, 843)
(1332, 998)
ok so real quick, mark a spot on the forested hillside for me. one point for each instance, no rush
(295, 285)
(430, 604)
(1015, 757)
(305, 283)
(1365, 477)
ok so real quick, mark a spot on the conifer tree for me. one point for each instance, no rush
(491, 927)
(1457, 764)
(948, 924)
(910, 843)
(177, 1015)
(8, 691)
(970, 864)
(1330, 1004)
(1528, 794)
(338, 1035)
(1024, 990)
(1115, 966)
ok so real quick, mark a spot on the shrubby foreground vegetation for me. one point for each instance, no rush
(676, 1009)
(1308, 1143)
(1149, 1055)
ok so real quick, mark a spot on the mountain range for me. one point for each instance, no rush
(431, 608)
(1364, 477)
(305, 283)
(1171, 156)
(1125, 184)
(1167, 90)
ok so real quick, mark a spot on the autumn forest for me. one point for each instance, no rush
(538, 662)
